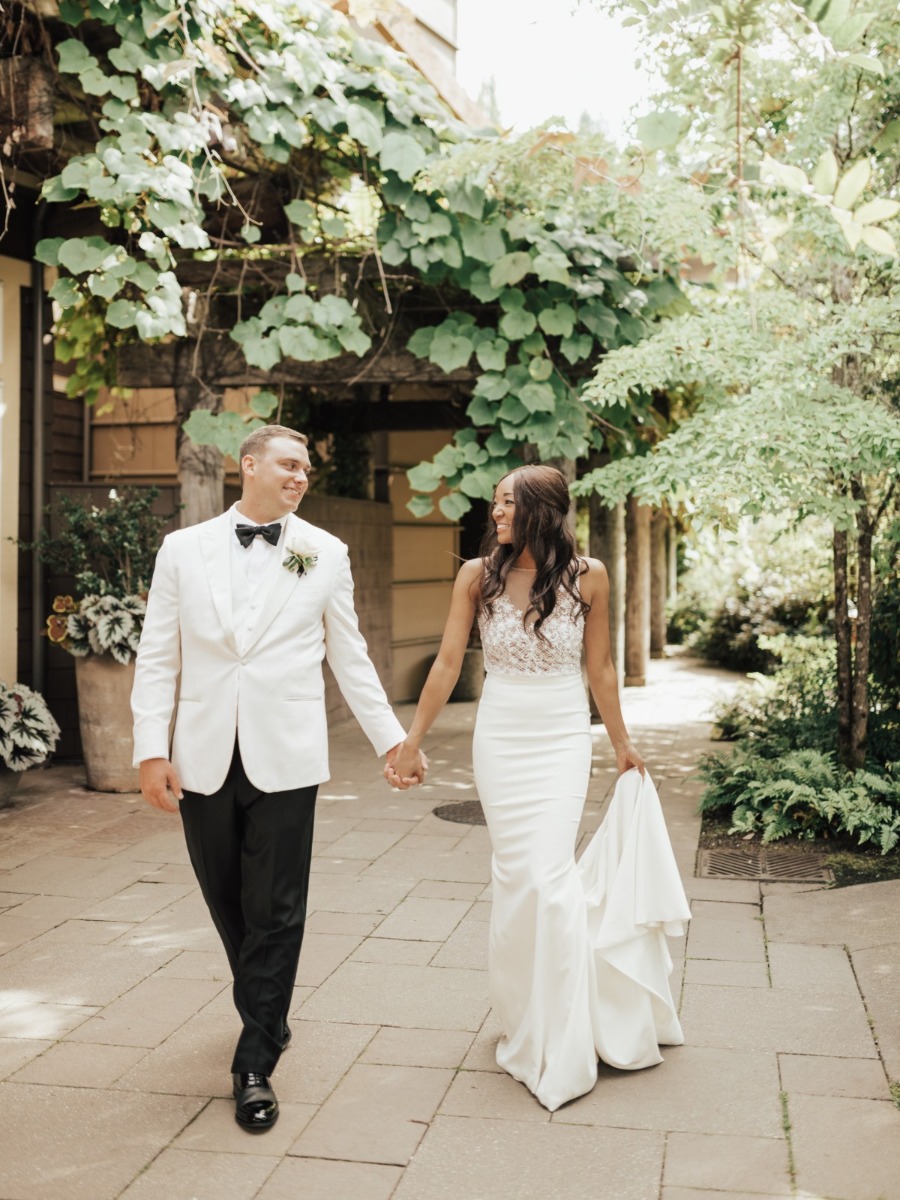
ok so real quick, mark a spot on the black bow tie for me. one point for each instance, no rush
(246, 533)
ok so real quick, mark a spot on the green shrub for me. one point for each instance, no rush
(802, 794)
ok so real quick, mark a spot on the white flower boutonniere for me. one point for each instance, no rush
(301, 557)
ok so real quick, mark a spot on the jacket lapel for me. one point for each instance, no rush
(216, 552)
(280, 588)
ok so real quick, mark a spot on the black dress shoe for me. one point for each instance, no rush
(257, 1107)
(286, 1036)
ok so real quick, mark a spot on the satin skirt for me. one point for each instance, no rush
(578, 963)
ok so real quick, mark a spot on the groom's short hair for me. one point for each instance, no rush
(255, 443)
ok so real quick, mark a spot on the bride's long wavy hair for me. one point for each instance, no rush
(541, 496)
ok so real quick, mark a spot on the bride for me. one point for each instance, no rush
(579, 963)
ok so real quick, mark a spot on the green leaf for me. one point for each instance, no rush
(74, 57)
(262, 352)
(537, 397)
(497, 445)
(364, 127)
(491, 386)
(47, 251)
(889, 137)
(825, 176)
(122, 314)
(449, 351)
(552, 268)
(852, 184)
(517, 324)
(865, 62)
(481, 411)
(467, 199)
(574, 349)
(485, 243)
(492, 354)
(660, 130)
(879, 240)
(400, 152)
(250, 233)
(454, 506)
(420, 506)
(850, 31)
(540, 369)
(299, 342)
(513, 410)
(556, 321)
(510, 268)
(420, 342)
(479, 284)
(479, 484)
(65, 292)
(79, 255)
(264, 403)
(426, 477)
(881, 209)
(71, 12)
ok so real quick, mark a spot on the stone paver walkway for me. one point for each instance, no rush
(116, 1022)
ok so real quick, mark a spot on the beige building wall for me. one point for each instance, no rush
(13, 276)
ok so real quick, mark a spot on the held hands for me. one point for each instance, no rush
(406, 765)
(627, 757)
(158, 777)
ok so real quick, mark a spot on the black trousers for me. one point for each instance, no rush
(251, 853)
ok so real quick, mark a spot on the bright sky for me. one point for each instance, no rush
(549, 58)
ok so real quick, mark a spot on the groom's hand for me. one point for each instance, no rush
(158, 778)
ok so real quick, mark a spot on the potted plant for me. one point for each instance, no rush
(28, 735)
(110, 552)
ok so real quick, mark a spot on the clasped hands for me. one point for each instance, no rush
(406, 766)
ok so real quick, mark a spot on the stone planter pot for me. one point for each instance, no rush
(471, 677)
(104, 714)
(9, 781)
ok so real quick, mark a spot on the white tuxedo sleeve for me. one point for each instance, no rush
(158, 663)
(348, 657)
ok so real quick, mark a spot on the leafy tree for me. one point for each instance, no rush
(794, 361)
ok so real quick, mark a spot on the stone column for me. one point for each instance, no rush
(607, 542)
(637, 592)
(659, 569)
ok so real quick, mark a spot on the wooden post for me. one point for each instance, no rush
(658, 580)
(637, 592)
(607, 542)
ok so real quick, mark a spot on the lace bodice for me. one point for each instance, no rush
(513, 648)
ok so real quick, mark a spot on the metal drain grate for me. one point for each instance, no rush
(466, 812)
(769, 863)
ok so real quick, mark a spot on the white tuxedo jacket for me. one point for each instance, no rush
(271, 692)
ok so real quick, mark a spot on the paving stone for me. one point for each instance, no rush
(387, 826)
(678, 1193)
(740, 941)
(393, 950)
(417, 919)
(170, 873)
(322, 954)
(467, 947)
(816, 1075)
(375, 1114)
(321, 1179)
(726, 973)
(787, 1021)
(184, 925)
(358, 894)
(138, 902)
(482, 1054)
(147, 1014)
(718, 910)
(194, 1061)
(10, 900)
(82, 1143)
(859, 917)
(491, 1094)
(816, 968)
(195, 1175)
(358, 844)
(80, 1064)
(506, 1160)
(878, 973)
(197, 964)
(847, 1148)
(64, 974)
(162, 847)
(391, 994)
(58, 875)
(695, 1090)
(19, 931)
(699, 1160)
(27, 1017)
(16, 1052)
(450, 865)
(323, 865)
(731, 891)
(320, 1055)
(439, 889)
(84, 933)
(417, 1048)
(215, 1130)
(52, 909)
(322, 921)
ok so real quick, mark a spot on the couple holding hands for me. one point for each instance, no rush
(242, 611)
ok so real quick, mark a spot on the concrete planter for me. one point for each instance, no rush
(471, 677)
(104, 714)
(9, 781)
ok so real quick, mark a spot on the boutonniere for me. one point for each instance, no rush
(301, 557)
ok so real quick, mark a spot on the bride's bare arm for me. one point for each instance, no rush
(601, 671)
(443, 675)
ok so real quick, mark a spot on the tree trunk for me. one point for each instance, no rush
(673, 560)
(842, 636)
(201, 469)
(658, 580)
(607, 542)
(859, 705)
(637, 592)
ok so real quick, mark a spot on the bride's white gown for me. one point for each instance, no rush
(579, 965)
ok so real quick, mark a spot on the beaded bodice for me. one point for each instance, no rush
(511, 647)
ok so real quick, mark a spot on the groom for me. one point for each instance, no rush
(242, 610)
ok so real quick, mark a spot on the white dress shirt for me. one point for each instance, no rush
(251, 573)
